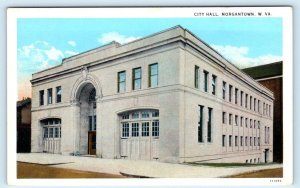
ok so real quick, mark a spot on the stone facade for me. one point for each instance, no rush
(180, 83)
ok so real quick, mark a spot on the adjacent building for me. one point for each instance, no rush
(167, 97)
(24, 125)
(270, 76)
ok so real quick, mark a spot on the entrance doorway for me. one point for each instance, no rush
(92, 143)
(140, 135)
(87, 130)
(266, 155)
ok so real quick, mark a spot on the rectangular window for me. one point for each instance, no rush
(264, 108)
(268, 135)
(230, 93)
(41, 97)
(145, 129)
(50, 132)
(265, 134)
(236, 95)
(258, 106)
(145, 114)
(153, 75)
(209, 125)
(242, 94)
(246, 122)
(155, 128)
(49, 91)
(155, 114)
(56, 132)
(242, 120)
(270, 110)
(122, 81)
(205, 81)
(196, 77)
(250, 141)
(254, 104)
(58, 94)
(236, 120)
(92, 123)
(254, 141)
(230, 119)
(135, 129)
(258, 124)
(213, 84)
(224, 90)
(254, 124)
(251, 123)
(250, 102)
(246, 100)
(223, 140)
(125, 116)
(135, 115)
(136, 78)
(258, 141)
(125, 130)
(224, 118)
(246, 141)
(230, 140)
(236, 141)
(46, 132)
(241, 140)
(200, 124)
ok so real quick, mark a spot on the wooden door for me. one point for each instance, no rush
(92, 143)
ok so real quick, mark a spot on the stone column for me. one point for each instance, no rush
(70, 130)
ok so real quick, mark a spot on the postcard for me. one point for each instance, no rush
(150, 96)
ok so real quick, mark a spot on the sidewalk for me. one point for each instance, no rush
(136, 168)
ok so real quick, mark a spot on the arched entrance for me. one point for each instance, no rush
(88, 119)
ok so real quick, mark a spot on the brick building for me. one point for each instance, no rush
(23, 125)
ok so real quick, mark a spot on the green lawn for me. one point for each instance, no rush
(227, 164)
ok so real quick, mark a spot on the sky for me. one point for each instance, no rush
(43, 43)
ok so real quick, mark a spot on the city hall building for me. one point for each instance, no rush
(168, 97)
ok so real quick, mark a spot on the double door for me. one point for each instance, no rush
(140, 140)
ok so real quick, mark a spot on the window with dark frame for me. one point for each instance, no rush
(242, 94)
(246, 100)
(205, 85)
(136, 78)
(145, 128)
(200, 124)
(58, 94)
(236, 141)
(125, 130)
(153, 75)
(230, 140)
(224, 90)
(135, 129)
(196, 76)
(209, 125)
(223, 140)
(230, 93)
(236, 95)
(155, 128)
(49, 95)
(213, 84)
(246, 141)
(224, 117)
(121, 81)
(41, 93)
